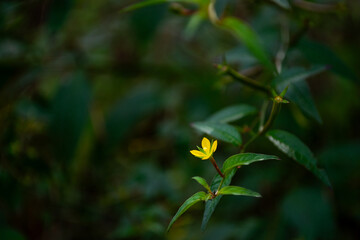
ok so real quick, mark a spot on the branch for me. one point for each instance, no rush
(245, 80)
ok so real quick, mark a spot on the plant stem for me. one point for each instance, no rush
(212, 160)
(220, 185)
(263, 114)
(247, 81)
(274, 111)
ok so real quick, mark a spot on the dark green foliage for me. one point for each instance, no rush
(197, 197)
(244, 159)
(222, 131)
(294, 148)
(232, 113)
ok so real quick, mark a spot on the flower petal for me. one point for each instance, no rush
(214, 146)
(205, 143)
(206, 157)
(198, 154)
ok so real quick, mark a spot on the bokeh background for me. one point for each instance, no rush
(95, 114)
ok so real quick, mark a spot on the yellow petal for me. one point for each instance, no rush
(197, 153)
(206, 157)
(214, 146)
(205, 143)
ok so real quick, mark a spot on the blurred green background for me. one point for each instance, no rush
(95, 114)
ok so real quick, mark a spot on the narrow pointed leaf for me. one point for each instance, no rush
(202, 182)
(235, 190)
(193, 24)
(325, 55)
(295, 75)
(221, 131)
(245, 34)
(211, 204)
(197, 197)
(299, 93)
(297, 150)
(282, 94)
(244, 159)
(232, 113)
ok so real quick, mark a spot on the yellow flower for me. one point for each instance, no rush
(207, 149)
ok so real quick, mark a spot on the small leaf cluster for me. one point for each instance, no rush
(229, 165)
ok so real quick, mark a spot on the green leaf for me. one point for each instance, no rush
(318, 53)
(152, 2)
(211, 204)
(243, 32)
(222, 131)
(235, 190)
(282, 94)
(244, 159)
(295, 75)
(203, 182)
(193, 24)
(296, 149)
(299, 92)
(232, 113)
(197, 197)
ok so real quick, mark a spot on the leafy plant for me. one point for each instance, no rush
(277, 84)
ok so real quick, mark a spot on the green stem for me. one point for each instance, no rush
(212, 160)
(263, 114)
(274, 111)
(213, 195)
(220, 185)
(247, 81)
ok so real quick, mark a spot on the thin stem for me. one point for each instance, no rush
(274, 111)
(263, 114)
(220, 185)
(280, 56)
(293, 40)
(246, 80)
(212, 160)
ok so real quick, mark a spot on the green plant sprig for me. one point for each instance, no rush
(219, 125)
